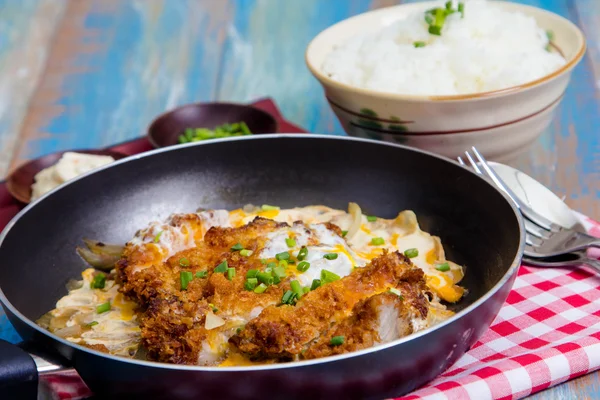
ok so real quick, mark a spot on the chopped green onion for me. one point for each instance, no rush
(296, 288)
(252, 281)
(330, 256)
(411, 253)
(396, 292)
(260, 288)
(265, 277)
(251, 273)
(263, 260)
(316, 283)
(419, 44)
(221, 131)
(371, 218)
(201, 274)
(290, 242)
(440, 17)
(337, 340)
(266, 207)
(378, 241)
(306, 289)
(283, 263)
(222, 267)
(184, 262)
(93, 323)
(99, 281)
(461, 9)
(290, 262)
(282, 256)
(230, 273)
(279, 271)
(237, 247)
(246, 253)
(276, 280)
(214, 309)
(428, 19)
(185, 277)
(250, 284)
(288, 297)
(449, 5)
(271, 265)
(102, 308)
(157, 237)
(328, 277)
(302, 253)
(344, 233)
(443, 267)
(303, 266)
(435, 30)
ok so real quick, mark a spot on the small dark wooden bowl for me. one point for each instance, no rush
(19, 182)
(166, 128)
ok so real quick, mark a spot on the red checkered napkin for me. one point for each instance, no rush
(547, 332)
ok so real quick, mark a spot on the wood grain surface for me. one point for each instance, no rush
(84, 74)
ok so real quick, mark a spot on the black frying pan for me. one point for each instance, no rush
(479, 228)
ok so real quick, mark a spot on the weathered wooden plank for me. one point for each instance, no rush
(115, 65)
(566, 156)
(264, 56)
(26, 30)
(586, 387)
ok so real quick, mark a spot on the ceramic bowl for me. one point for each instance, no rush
(166, 128)
(19, 182)
(500, 123)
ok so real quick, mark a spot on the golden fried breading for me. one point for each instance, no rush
(377, 319)
(284, 332)
(173, 326)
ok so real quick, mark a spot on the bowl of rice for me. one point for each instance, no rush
(446, 75)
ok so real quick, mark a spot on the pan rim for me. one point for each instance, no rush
(515, 264)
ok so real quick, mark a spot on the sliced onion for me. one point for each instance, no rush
(69, 331)
(44, 320)
(407, 220)
(250, 208)
(99, 261)
(73, 284)
(440, 255)
(356, 213)
(101, 248)
(213, 321)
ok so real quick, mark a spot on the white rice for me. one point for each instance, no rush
(489, 49)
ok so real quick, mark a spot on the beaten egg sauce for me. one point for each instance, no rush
(118, 329)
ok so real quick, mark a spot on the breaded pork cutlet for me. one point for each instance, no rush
(378, 319)
(173, 326)
(286, 331)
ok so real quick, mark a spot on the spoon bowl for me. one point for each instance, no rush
(565, 260)
(538, 197)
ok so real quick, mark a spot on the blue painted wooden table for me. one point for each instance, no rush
(83, 74)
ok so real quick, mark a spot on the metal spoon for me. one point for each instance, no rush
(538, 197)
(566, 260)
(549, 205)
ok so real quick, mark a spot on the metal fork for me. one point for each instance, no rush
(544, 238)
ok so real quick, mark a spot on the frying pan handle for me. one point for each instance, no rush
(18, 373)
(22, 365)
